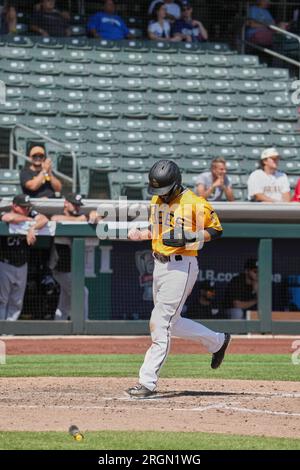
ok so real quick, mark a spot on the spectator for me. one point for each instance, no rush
(241, 292)
(172, 9)
(8, 18)
(14, 256)
(268, 184)
(159, 28)
(47, 21)
(256, 32)
(212, 184)
(202, 303)
(296, 196)
(61, 258)
(106, 24)
(37, 180)
(187, 29)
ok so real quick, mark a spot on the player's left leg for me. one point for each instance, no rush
(17, 291)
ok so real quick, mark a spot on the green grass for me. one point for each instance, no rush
(235, 366)
(141, 440)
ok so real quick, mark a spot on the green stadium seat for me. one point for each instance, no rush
(103, 110)
(220, 99)
(194, 113)
(188, 85)
(101, 97)
(163, 150)
(290, 167)
(76, 69)
(103, 70)
(128, 137)
(65, 135)
(73, 83)
(131, 164)
(14, 93)
(226, 139)
(194, 126)
(231, 153)
(190, 98)
(71, 123)
(9, 176)
(274, 86)
(223, 113)
(272, 73)
(255, 127)
(162, 137)
(244, 99)
(100, 83)
(244, 73)
(46, 55)
(248, 86)
(46, 42)
(130, 83)
(9, 190)
(189, 179)
(73, 109)
(17, 41)
(218, 86)
(77, 30)
(17, 53)
(132, 58)
(277, 99)
(14, 66)
(13, 79)
(240, 194)
(162, 46)
(235, 180)
(76, 43)
(214, 60)
(134, 46)
(190, 138)
(106, 45)
(74, 55)
(188, 59)
(157, 125)
(133, 110)
(283, 114)
(189, 72)
(98, 149)
(132, 125)
(189, 48)
(283, 128)
(45, 68)
(234, 166)
(223, 127)
(216, 73)
(42, 81)
(192, 151)
(194, 165)
(42, 108)
(255, 113)
(160, 58)
(71, 96)
(102, 57)
(12, 107)
(159, 71)
(8, 120)
(159, 84)
(40, 94)
(215, 47)
(131, 70)
(159, 97)
(285, 140)
(132, 150)
(244, 60)
(101, 136)
(163, 111)
(252, 153)
(255, 140)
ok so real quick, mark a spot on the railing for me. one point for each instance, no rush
(264, 232)
(13, 153)
(271, 51)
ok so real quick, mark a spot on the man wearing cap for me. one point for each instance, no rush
(37, 180)
(241, 292)
(14, 253)
(60, 259)
(186, 28)
(268, 184)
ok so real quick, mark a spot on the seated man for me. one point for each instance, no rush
(268, 184)
(256, 32)
(47, 21)
(37, 180)
(106, 24)
(212, 184)
(187, 29)
(14, 256)
(241, 292)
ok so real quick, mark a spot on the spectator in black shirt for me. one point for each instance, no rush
(37, 180)
(8, 18)
(201, 303)
(61, 257)
(241, 292)
(47, 21)
(14, 254)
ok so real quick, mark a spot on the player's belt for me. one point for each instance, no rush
(165, 259)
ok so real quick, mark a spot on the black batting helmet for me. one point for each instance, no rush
(163, 177)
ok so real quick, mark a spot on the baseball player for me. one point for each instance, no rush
(180, 223)
(14, 254)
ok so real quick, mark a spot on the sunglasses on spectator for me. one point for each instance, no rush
(38, 156)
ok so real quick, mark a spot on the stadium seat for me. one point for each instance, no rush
(163, 111)
(224, 127)
(17, 53)
(9, 176)
(161, 137)
(283, 114)
(163, 97)
(158, 58)
(42, 108)
(71, 96)
(190, 98)
(255, 113)
(194, 126)
(194, 165)
(8, 120)
(101, 97)
(225, 152)
(128, 137)
(194, 113)
(14, 93)
(132, 110)
(129, 83)
(133, 58)
(103, 110)
(223, 113)
(14, 66)
(102, 56)
(101, 83)
(106, 45)
(290, 167)
(9, 190)
(161, 125)
(244, 60)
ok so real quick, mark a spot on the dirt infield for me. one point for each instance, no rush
(137, 345)
(232, 406)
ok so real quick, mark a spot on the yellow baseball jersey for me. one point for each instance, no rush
(188, 210)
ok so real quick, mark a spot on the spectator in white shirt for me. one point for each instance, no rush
(212, 184)
(160, 28)
(268, 184)
(172, 9)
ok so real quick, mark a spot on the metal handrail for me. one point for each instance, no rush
(274, 53)
(13, 153)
